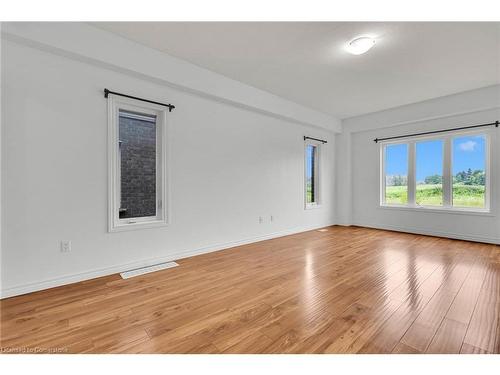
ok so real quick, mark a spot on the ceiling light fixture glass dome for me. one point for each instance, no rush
(360, 45)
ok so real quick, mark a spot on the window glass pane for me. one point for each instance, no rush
(396, 174)
(311, 156)
(469, 166)
(429, 173)
(137, 154)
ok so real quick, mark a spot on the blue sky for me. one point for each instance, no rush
(429, 159)
(396, 160)
(309, 155)
(468, 152)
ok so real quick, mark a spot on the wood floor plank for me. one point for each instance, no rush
(421, 290)
(363, 327)
(463, 306)
(340, 290)
(482, 329)
(423, 329)
(469, 349)
(404, 349)
(448, 338)
(251, 344)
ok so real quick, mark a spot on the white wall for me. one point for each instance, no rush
(86, 43)
(1, 163)
(228, 165)
(359, 182)
(343, 180)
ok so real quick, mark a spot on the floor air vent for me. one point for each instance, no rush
(144, 270)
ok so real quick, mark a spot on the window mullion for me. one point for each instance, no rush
(447, 174)
(411, 174)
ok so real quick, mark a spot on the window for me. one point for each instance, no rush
(396, 174)
(469, 171)
(442, 172)
(429, 173)
(137, 164)
(312, 174)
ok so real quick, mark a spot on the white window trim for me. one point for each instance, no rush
(318, 193)
(447, 174)
(115, 224)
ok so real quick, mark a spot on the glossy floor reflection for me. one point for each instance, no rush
(344, 290)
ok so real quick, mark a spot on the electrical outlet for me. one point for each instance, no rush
(261, 219)
(65, 246)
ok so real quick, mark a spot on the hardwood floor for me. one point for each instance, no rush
(344, 290)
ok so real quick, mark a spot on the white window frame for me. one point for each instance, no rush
(115, 104)
(317, 179)
(447, 139)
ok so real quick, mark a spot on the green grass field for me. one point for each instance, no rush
(308, 193)
(432, 195)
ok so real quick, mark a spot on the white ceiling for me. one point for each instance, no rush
(305, 61)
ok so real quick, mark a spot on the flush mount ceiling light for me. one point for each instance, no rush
(360, 45)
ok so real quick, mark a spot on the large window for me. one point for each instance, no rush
(312, 160)
(443, 172)
(137, 164)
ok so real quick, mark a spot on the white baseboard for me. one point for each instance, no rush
(92, 274)
(426, 232)
(344, 224)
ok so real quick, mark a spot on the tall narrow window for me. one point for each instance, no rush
(137, 143)
(137, 164)
(312, 174)
(396, 174)
(469, 171)
(429, 174)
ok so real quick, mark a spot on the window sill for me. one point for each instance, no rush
(139, 225)
(454, 211)
(312, 206)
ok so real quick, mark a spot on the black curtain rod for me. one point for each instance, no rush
(496, 123)
(107, 92)
(315, 139)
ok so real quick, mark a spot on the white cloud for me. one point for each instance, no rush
(467, 146)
